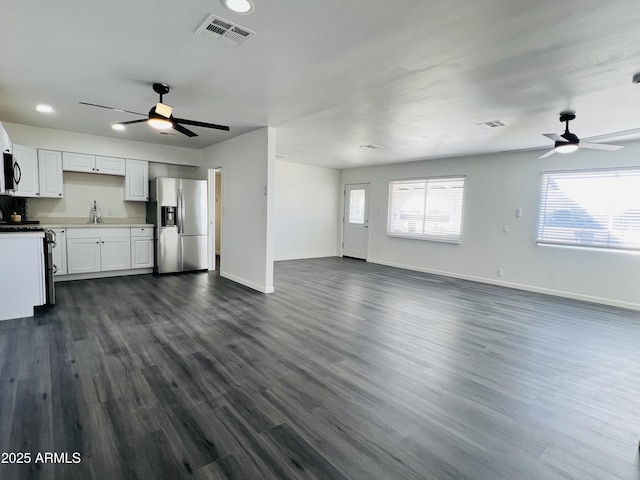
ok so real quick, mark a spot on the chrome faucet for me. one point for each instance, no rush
(95, 218)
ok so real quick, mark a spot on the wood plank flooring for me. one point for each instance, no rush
(348, 371)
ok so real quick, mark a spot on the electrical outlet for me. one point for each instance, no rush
(500, 272)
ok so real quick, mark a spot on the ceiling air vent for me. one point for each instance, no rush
(225, 30)
(492, 124)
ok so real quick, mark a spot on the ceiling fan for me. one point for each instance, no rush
(161, 116)
(569, 142)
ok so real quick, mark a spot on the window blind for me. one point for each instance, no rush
(592, 208)
(426, 209)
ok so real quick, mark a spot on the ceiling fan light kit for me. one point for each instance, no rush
(160, 123)
(566, 147)
(569, 142)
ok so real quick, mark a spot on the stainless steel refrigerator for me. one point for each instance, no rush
(178, 210)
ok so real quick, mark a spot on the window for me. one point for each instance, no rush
(356, 206)
(426, 209)
(592, 208)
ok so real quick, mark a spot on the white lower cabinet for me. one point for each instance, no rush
(98, 249)
(60, 252)
(103, 249)
(142, 248)
(83, 254)
(115, 253)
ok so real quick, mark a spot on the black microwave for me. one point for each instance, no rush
(10, 174)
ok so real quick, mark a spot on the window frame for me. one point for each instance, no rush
(543, 214)
(426, 237)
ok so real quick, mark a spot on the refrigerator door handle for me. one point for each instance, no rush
(179, 212)
(182, 207)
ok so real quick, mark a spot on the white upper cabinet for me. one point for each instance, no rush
(5, 143)
(110, 165)
(27, 160)
(78, 162)
(83, 162)
(137, 180)
(50, 173)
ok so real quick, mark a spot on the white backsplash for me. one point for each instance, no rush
(80, 190)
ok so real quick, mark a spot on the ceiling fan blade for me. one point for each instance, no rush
(554, 136)
(112, 108)
(612, 135)
(600, 146)
(132, 122)
(183, 130)
(201, 124)
(548, 154)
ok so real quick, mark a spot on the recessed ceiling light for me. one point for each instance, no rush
(238, 6)
(42, 108)
(117, 126)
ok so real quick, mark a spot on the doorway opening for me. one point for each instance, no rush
(215, 217)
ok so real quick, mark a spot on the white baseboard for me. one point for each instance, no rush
(305, 257)
(246, 283)
(89, 276)
(518, 286)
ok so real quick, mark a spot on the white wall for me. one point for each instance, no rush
(496, 185)
(306, 205)
(80, 190)
(248, 164)
(174, 171)
(63, 140)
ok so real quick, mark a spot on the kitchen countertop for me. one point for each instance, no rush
(96, 225)
(22, 234)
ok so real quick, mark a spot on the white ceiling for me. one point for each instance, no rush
(414, 76)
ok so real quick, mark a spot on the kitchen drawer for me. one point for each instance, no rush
(142, 231)
(100, 232)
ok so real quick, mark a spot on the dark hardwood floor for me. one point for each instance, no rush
(348, 371)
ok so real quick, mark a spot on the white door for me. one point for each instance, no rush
(355, 237)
